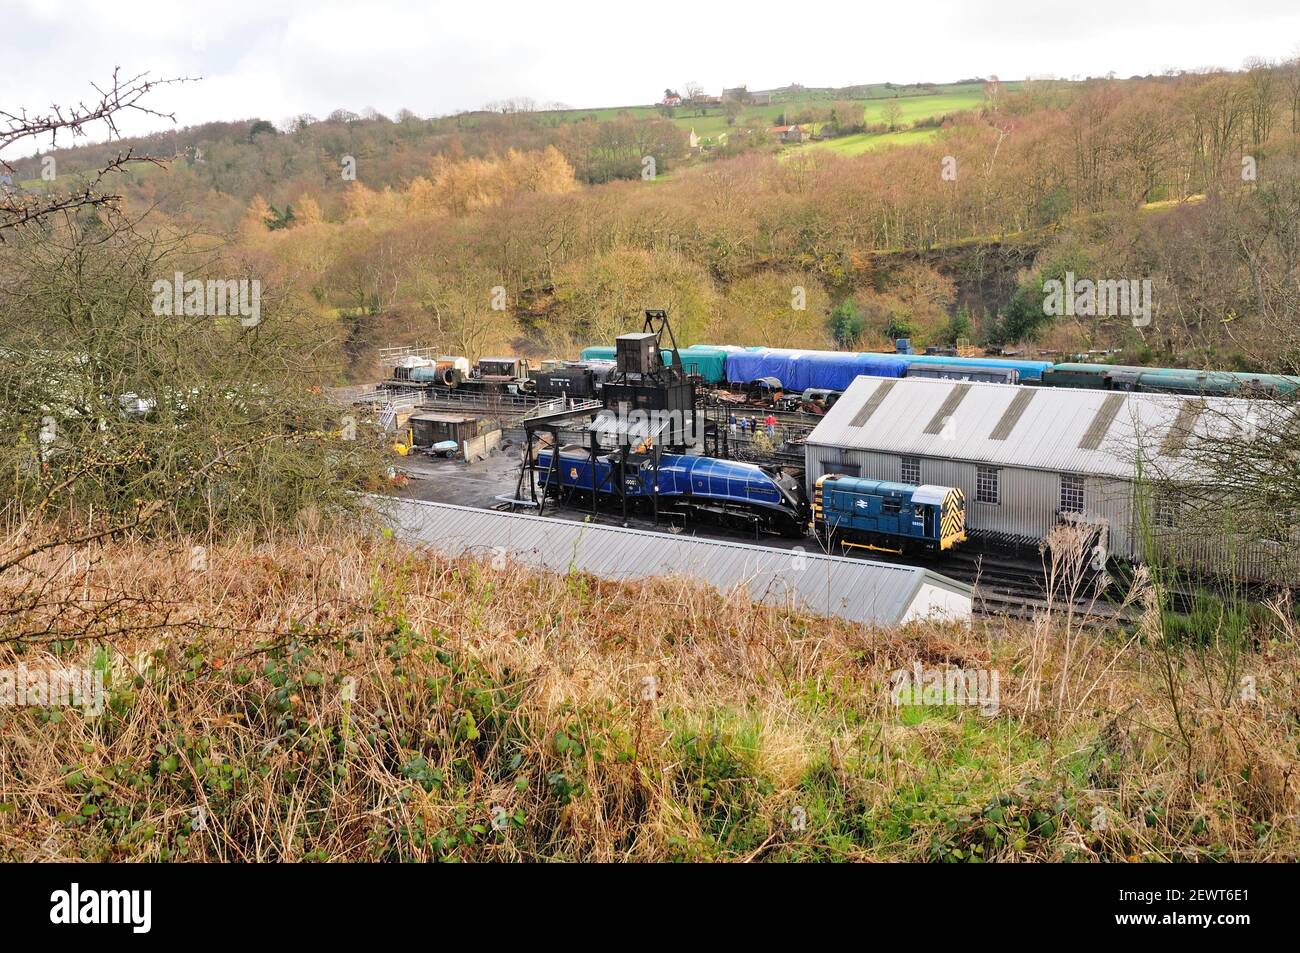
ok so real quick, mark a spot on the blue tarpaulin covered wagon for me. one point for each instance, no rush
(800, 370)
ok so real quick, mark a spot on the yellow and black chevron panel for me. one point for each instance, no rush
(952, 521)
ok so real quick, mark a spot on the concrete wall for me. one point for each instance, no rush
(479, 447)
(938, 603)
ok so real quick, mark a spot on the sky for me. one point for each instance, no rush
(273, 59)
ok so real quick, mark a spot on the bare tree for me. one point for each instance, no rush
(1236, 470)
(1291, 80)
(892, 113)
(19, 206)
(1261, 81)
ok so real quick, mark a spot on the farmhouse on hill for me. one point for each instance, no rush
(789, 133)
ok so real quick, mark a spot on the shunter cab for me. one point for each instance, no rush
(891, 517)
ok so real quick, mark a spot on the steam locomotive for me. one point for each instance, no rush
(702, 489)
(846, 512)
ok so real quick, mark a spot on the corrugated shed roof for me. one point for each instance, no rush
(1059, 429)
(856, 589)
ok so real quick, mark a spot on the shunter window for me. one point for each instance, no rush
(1071, 494)
(911, 471)
(986, 485)
(891, 506)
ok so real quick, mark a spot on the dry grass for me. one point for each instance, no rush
(342, 698)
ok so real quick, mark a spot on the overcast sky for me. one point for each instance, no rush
(277, 58)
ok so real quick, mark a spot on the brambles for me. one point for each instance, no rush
(127, 419)
(336, 697)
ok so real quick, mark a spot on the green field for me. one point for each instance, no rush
(912, 109)
(856, 145)
(914, 104)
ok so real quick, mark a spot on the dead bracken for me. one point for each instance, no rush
(336, 697)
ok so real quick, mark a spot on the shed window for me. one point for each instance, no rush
(986, 485)
(1164, 515)
(1072, 497)
(911, 471)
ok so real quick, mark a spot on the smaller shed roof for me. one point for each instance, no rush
(443, 418)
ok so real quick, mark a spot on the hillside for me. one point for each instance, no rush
(398, 232)
(232, 162)
(337, 697)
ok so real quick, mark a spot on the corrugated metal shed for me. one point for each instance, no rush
(1027, 456)
(1063, 430)
(856, 589)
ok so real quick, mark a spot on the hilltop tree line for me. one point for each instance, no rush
(1122, 179)
(1189, 180)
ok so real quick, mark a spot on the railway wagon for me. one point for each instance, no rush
(886, 516)
(1025, 370)
(1168, 380)
(701, 488)
(964, 372)
(708, 361)
(1164, 380)
(1089, 376)
(800, 370)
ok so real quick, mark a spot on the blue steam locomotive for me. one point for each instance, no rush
(888, 517)
(700, 488)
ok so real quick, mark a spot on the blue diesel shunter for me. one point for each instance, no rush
(701, 488)
(893, 517)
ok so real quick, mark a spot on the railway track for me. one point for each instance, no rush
(1017, 587)
(1003, 585)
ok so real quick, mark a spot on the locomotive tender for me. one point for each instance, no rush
(700, 488)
